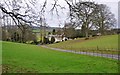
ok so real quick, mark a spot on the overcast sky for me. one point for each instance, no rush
(54, 21)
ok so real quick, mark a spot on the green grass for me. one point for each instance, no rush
(38, 33)
(101, 43)
(36, 30)
(0, 52)
(22, 58)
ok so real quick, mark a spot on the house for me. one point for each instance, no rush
(58, 38)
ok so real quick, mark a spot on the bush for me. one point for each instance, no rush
(35, 42)
(65, 39)
(52, 39)
(46, 40)
(86, 38)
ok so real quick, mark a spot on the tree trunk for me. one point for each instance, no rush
(86, 31)
(23, 36)
(102, 28)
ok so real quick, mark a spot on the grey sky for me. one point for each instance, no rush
(54, 20)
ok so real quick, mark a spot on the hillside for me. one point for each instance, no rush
(23, 58)
(102, 42)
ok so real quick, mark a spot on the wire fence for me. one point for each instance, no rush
(109, 53)
(102, 52)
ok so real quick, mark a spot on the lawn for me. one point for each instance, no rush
(0, 53)
(109, 42)
(23, 58)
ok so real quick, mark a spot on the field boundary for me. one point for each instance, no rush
(113, 56)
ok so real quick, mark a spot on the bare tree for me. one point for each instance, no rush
(104, 19)
(89, 15)
(82, 14)
(11, 9)
(69, 30)
(24, 11)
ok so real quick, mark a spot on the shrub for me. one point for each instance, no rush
(65, 39)
(52, 39)
(35, 42)
(45, 40)
(86, 38)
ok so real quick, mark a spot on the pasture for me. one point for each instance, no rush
(109, 42)
(24, 58)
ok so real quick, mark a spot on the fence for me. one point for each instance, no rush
(109, 53)
(102, 52)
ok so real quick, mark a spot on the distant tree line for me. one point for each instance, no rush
(14, 34)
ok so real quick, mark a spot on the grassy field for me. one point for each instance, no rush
(38, 33)
(23, 58)
(0, 52)
(101, 43)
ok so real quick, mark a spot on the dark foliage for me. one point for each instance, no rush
(52, 39)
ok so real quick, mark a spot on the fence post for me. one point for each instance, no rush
(79, 51)
(107, 52)
(118, 55)
(97, 52)
(101, 53)
(71, 49)
(86, 51)
(112, 54)
(97, 48)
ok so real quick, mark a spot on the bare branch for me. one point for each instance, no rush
(44, 6)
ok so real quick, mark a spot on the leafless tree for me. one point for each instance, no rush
(82, 14)
(69, 30)
(24, 11)
(89, 15)
(11, 9)
(104, 19)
